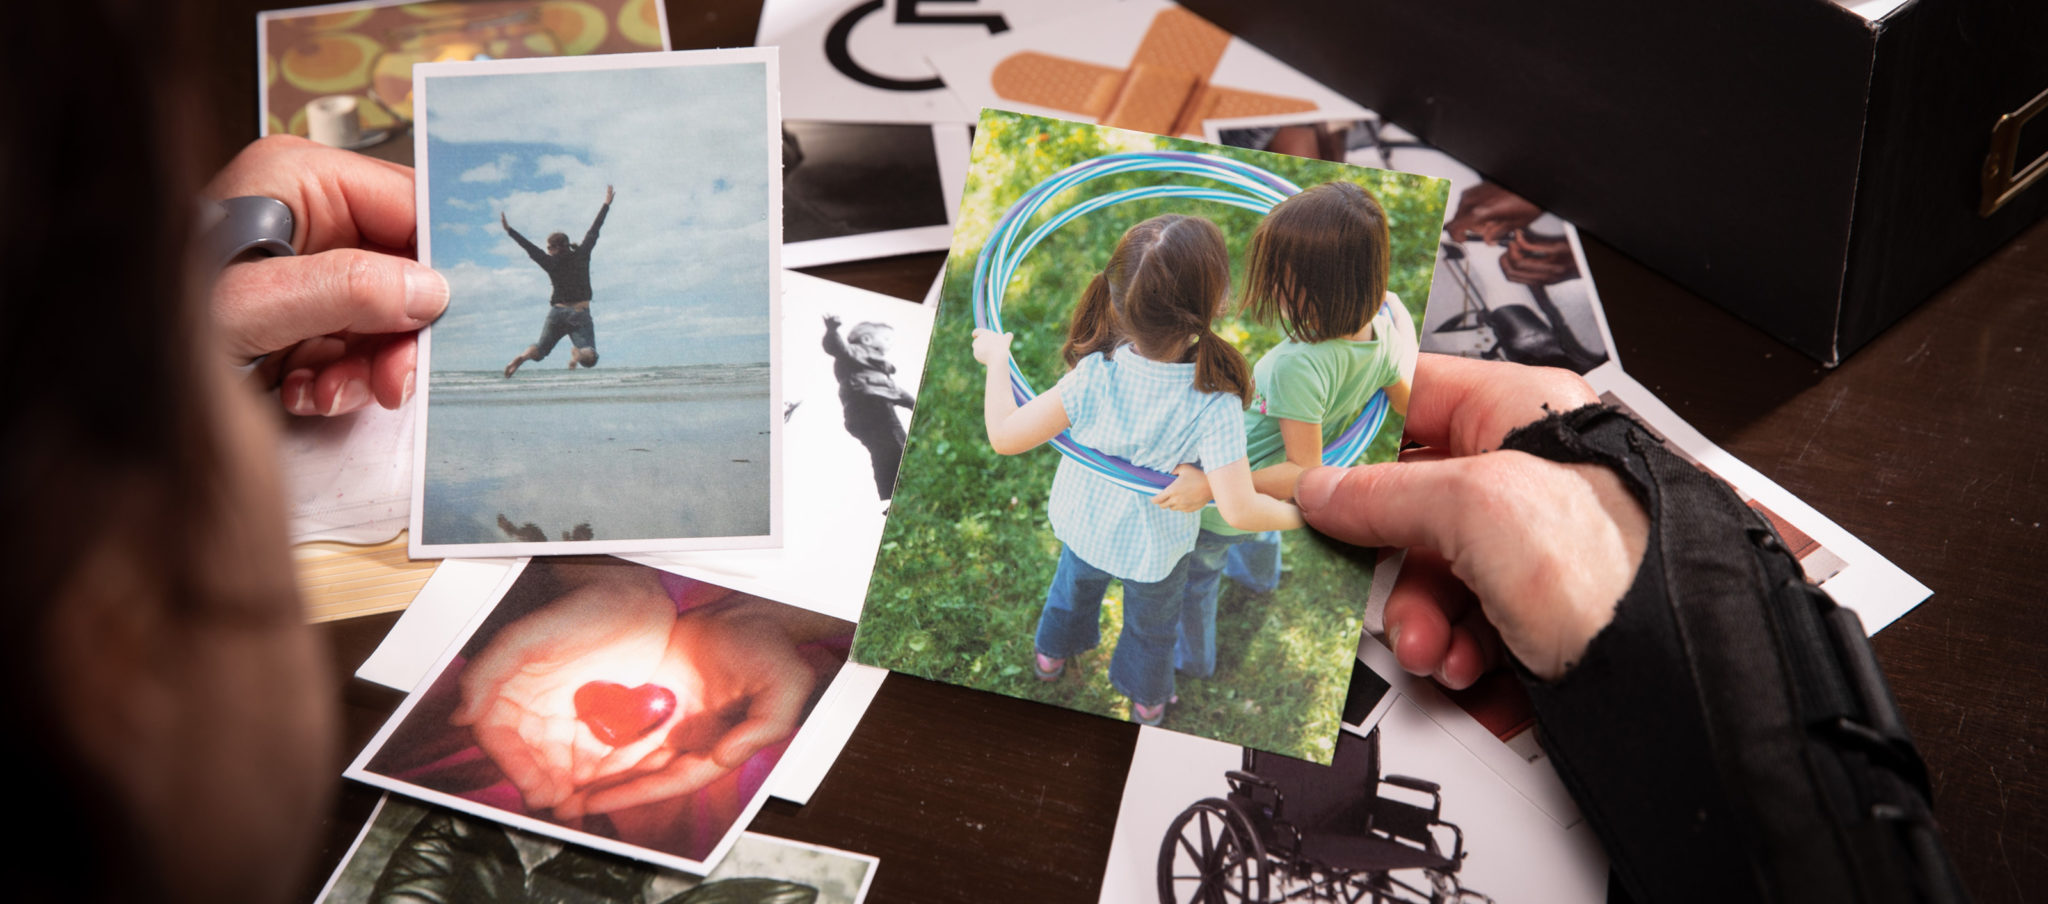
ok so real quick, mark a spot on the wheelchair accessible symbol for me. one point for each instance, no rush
(841, 57)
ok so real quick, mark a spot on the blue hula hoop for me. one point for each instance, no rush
(1243, 185)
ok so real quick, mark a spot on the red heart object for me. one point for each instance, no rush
(618, 714)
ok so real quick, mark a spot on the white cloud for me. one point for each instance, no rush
(495, 171)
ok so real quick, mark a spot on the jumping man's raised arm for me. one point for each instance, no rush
(539, 256)
(590, 238)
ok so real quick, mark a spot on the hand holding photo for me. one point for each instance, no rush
(612, 705)
(1099, 263)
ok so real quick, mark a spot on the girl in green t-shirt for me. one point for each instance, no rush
(1318, 266)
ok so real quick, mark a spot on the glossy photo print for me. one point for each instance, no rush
(411, 852)
(1051, 535)
(612, 705)
(604, 378)
(1511, 281)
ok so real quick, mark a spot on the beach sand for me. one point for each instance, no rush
(633, 454)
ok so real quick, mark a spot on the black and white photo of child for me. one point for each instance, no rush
(868, 393)
(844, 422)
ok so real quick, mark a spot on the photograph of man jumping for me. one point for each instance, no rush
(568, 267)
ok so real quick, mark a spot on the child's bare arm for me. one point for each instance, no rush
(1304, 442)
(1397, 396)
(1244, 507)
(1013, 429)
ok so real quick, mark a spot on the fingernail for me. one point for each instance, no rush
(297, 392)
(1394, 639)
(405, 394)
(426, 292)
(352, 395)
(1314, 489)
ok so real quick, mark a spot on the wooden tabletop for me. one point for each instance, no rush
(1930, 444)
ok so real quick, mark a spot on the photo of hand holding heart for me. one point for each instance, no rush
(611, 699)
(519, 692)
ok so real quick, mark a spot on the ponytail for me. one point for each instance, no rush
(1094, 327)
(1220, 367)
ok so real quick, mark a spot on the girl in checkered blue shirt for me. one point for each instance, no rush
(1152, 383)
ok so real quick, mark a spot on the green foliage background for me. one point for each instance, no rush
(968, 551)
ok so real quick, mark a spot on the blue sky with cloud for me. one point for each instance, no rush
(680, 272)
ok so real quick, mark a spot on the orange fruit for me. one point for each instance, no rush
(329, 64)
(579, 26)
(640, 22)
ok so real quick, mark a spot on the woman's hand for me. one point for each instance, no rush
(1504, 547)
(337, 321)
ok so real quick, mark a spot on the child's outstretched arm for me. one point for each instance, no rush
(1011, 429)
(1244, 507)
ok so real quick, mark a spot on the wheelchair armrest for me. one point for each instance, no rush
(1412, 783)
(1248, 786)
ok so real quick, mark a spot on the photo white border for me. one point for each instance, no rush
(1212, 132)
(359, 768)
(772, 147)
(265, 17)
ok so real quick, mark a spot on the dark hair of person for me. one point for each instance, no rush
(560, 238)
(1318, 263)
(111, 438)
(1163, 288)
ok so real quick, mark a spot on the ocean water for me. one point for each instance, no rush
(604, 454)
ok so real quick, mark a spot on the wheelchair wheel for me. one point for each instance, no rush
(1211, 856)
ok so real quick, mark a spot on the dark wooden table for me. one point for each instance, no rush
(1931, 445)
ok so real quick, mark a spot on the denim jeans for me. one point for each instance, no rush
(1142, 668)
(1252, 560)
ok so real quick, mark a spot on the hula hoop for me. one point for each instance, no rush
(1244, 186)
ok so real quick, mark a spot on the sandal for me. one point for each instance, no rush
(1148, 715)
(1046, 667)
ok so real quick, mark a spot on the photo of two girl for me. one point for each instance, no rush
(1224, 346)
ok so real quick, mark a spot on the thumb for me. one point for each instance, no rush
(1401, 504)
(265, 305)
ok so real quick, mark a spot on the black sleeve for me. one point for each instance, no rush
(1729, 735)
(539, 257)
(590, 238)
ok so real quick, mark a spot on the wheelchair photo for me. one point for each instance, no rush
(1289, 830)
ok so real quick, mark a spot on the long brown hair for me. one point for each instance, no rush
(1318, 263)
(1164, 285)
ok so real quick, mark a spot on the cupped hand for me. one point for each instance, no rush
(990, 347)
(518, 693)
(751, 682)
(1504, 548)
(337, 321)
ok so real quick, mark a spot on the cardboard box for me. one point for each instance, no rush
(1815, 171)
